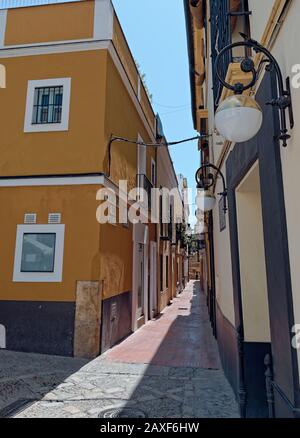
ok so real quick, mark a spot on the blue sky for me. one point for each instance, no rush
(155, 30)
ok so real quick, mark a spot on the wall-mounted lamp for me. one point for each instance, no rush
(206, 200)
(189, 231)
(239, 117)
(201, 228)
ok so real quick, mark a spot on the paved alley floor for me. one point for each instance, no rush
(168, 368)
(180, 337)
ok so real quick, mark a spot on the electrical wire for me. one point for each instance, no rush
(165, 144)
(175, 111)
(172, 106)
(141, 143)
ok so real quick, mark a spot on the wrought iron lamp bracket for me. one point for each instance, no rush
(205, 182)
(283, 102)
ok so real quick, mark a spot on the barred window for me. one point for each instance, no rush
(47, 107)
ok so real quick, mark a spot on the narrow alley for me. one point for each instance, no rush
(169, 368)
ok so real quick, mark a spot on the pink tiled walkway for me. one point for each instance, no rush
(180, 337)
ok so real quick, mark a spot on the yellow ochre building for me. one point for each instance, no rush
(69, 285)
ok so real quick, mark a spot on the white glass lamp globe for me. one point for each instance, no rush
(206, 200)
(201, 228)
(238, 118)
(199, 214)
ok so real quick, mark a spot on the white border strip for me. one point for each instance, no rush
(3, 17)
(52, 48)
(103, 20)
(54, 181)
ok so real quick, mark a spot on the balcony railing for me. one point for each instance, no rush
(224, 16)
(142, 182)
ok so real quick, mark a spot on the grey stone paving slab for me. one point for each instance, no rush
(71, 388)
(14, 364)
(160, 391)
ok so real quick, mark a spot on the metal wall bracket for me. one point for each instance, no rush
(291, 112)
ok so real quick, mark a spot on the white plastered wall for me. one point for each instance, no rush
(261, 11)
(286, 51)
(252, 259)
(224, 286)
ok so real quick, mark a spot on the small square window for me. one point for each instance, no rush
(48, 105)
(38, 252)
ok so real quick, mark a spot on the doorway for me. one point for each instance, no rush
(254, 291)
(252, 259)
(140, 272)
(153, 280)
(141, 281)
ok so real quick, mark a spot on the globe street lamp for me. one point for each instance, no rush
(201, 228)
(239, 117)
(189, 231)
(206, 200)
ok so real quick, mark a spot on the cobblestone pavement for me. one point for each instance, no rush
(42, 386)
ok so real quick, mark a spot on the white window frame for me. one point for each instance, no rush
(153, 175)
(141, 157)
(112, 218)
(39, 277)
(46, 127)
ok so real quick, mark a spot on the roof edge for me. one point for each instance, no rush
(18, 4)
(191, 55)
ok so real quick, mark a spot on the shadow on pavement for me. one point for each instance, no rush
(184, 378)
(27, 377)
(169, 368)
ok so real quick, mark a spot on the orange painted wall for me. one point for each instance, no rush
(116, 259)
(123, 50)
(79, 150)
(125, 55)
(50, 23)
(122, 119)
(100, 106)
(77, 205)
